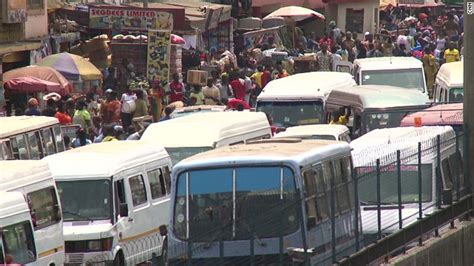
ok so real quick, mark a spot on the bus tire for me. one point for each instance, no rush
(119, 260)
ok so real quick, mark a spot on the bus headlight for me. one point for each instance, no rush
(94, 245)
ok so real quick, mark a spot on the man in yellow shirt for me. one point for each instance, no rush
(258, 76)
(451, 54)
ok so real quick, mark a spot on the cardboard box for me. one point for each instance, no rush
(197, 77)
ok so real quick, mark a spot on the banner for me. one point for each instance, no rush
(14, 11)
(129, 19)
(158, 59)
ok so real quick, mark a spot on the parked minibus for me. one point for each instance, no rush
(403, 72)
(29, 137)
(437, 115)
(185, 136)
(17, 240)
(329, 132)
(449, 83)
(115, 197)
(370, 107)
(299, 99)
(240, 202)
(383, 144)
(33, 179)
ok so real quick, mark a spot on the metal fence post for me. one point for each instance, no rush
(252, 246)
(420, 189)
(190, 253)
(379, 211)
(399, 183)
(457, 172)
(356, 208)
(154, 259)
(439, 183)
(333, 219)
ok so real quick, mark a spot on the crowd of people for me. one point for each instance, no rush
(107, 113)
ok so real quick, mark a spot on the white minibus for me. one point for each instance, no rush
(449, 83)
(33, 179)
(404, 72)
(329, 132)
(299, 99)
(17, 241)
(115, 197)
(29, 137)
(185, 136)
(383, 144)
(260, 200)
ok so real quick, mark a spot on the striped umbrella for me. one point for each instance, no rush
(73, 67)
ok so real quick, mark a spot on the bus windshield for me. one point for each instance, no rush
(235, 203)
(389, 184)
(179, 154)
(293, 113)
(379, 119)
(405, 78)
(95, 204)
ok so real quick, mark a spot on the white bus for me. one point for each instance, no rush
(328, 132)
(115, 197)
(262, 198)
(449, 86)
(299, 99)
(185, 136)
(29, 137)
(404, 72)
(17, 240)
(33, 179)
(383, 144)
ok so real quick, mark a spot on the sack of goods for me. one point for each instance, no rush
(128, 106)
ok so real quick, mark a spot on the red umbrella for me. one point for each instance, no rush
(40, 72)
(33, 85)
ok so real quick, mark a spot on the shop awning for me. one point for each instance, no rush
(275, 4)
(33, 85)
(13, 47)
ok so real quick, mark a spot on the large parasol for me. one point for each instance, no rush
(296, 13)
(33, 85)
(40, 72)
(73, 67)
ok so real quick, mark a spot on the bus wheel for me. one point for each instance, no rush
(119, 259)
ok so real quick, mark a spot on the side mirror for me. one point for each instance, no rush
(311, 222)
(123, 210)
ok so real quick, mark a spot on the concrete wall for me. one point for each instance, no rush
(369, 19)
(36, 25)
(455, 247)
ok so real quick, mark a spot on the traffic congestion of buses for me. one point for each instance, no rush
(190, 190)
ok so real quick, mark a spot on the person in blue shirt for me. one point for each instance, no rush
(32, 109)
(168, 111)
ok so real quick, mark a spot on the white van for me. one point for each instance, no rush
(373, 106)
(449, 83)
(185, 136)
(404, 72)
(299, 99)
(33, 179)
(329, 132)
(115, 196)
(17, 241)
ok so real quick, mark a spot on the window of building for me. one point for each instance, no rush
(35, 4)
(355, 20)
(137, 187)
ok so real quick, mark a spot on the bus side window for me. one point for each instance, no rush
(36, 150)
(19, 244)
(137, 189)
(447, 174)
(310, 198)
(321, 199)
(457, 165)
(58, 136)
(48, 142)
(167, 176)
(20, 149)
(157, 183)
(44, 207)
(342, 194)
(119, 195)
(328, 174)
